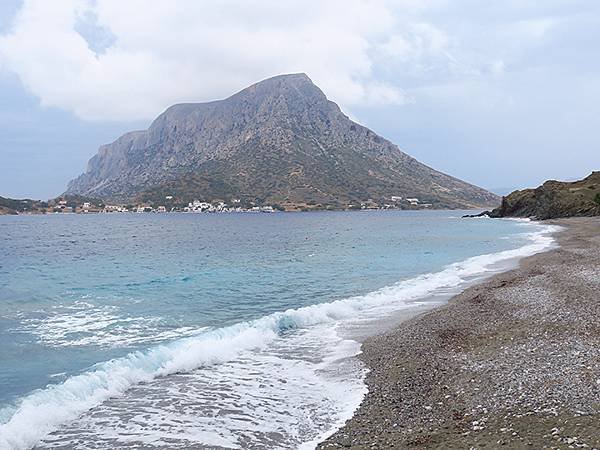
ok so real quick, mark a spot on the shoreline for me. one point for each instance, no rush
(309, 210)
(512, 360)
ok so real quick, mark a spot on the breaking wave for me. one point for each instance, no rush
(42, 411)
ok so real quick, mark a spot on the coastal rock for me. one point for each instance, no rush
(7, 211)
(553, 199)
(11, 206)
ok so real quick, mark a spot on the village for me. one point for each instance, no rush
(76, 206)
(83, 205)
(91, 207)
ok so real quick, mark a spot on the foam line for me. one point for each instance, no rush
(44, 410)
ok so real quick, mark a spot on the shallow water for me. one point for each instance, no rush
(231, 330)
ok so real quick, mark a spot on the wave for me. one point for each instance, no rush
(44, 410)
(83, 324)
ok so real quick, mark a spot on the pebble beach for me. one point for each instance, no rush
(513, 362)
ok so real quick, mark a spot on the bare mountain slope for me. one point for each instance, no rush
(277, 141)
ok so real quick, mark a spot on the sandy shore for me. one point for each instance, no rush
(513, 362)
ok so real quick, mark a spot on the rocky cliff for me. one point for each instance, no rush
(554, 199)
(278, 141)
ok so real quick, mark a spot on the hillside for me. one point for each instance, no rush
(554, 199)
(4, 211)
(9, 206)
(280, 141)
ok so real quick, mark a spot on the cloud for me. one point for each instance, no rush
(115, 60)
(536, 28)
(129, 60)
(417, 41)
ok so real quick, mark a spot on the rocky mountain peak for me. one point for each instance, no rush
(279, 141)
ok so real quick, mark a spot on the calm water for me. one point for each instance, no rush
(231, 330)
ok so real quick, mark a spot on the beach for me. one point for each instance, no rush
(512, 362)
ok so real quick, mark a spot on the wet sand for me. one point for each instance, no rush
(513, 362)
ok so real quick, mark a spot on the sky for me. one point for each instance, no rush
(502, 94)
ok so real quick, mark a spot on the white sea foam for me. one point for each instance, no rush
(295, 389)
(83, 323)
(43, 411)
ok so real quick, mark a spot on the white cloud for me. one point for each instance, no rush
(536, 28)
(415, 42)
(140, 56)
(128, 60)
(498, 67)
(424, 51)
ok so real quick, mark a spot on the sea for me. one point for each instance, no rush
(233, 330)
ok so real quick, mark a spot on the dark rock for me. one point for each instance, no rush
(481, 214)
(553, 199)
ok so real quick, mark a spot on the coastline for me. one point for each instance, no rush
(37, 419)
(511, 361)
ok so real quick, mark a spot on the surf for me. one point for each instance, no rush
(42, 411)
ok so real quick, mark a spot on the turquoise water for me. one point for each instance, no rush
(171, 329)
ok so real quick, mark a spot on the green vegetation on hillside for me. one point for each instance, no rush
(554, 199)
(15, 206)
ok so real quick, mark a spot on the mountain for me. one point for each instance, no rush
(280, 141)
(553, 199)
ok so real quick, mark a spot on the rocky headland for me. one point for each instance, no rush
(10, 206)
(552, 200)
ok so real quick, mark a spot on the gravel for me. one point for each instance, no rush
(511, 363)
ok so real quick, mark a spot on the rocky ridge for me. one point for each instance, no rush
(280, 141)
(553, 199)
